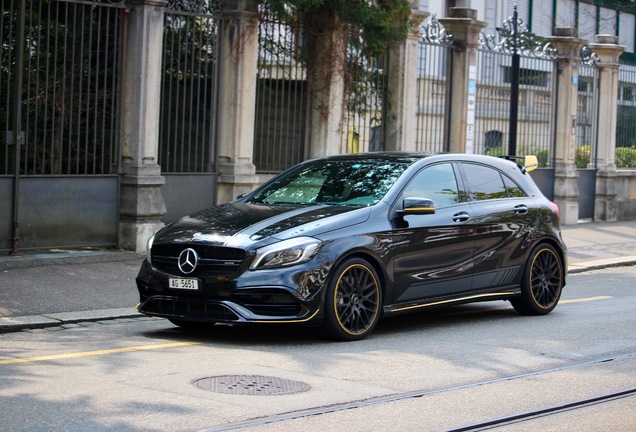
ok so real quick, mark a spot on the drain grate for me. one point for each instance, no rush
(255, 385)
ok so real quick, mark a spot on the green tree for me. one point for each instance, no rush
(345, 38)
(372, 24)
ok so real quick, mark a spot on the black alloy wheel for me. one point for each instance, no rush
(542, 282)
(353, 301)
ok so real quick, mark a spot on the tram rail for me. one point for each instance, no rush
(482, 425)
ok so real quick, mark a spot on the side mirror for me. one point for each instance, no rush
(418, 206)
(531, 163)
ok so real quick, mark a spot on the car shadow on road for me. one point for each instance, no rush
(461, 318)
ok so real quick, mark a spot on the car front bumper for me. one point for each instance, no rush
(290, 296)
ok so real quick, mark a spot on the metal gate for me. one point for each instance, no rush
(434, 88)
(515, 111)
(188, 114)
(59, 81)
(282, 102)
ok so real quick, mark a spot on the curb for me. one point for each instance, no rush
(15, 324)
(601, 264)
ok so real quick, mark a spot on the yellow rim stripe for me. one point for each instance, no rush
(96, 353)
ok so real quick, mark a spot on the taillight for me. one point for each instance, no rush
(555, 209)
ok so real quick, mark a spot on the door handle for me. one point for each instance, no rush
(461, 217)
(521, 209)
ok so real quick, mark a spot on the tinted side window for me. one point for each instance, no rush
(484, 182)
(512, 188)
(437, 183)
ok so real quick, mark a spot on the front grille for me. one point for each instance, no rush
(213, 260)
(194, 309)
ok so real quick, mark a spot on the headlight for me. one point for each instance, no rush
(149, 248)
(286, 253)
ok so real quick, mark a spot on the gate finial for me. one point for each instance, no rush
(515, 38)
(435, 34)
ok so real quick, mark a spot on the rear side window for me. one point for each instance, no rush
(437, 183)
(488, 183)
(512, 188)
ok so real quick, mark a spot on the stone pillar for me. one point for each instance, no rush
(326, 81)
(402, 106)
(141, 204)
(566, 190)
(607, 49)
(238, 57)
(463, 25)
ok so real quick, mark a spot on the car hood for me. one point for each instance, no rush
(241, 224)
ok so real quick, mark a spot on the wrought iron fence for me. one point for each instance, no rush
(434, 87)
(514, 65)
(626, 116)
(188, 116)
(535, 109)
(365, 103)
(63, 82)
(626, 110)
(281, 95)
(282, 102)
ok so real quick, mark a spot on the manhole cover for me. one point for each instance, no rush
(251, 385)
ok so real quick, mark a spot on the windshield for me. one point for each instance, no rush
(332, 182)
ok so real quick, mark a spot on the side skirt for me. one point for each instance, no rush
(499, 294)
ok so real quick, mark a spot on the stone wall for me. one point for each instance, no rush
(625, 183)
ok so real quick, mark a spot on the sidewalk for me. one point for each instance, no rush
(596, 245)
(58, 287)
(62, 287)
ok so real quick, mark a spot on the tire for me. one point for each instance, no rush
(353, 301)
(542, 282)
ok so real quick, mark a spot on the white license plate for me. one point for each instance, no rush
(181, 283)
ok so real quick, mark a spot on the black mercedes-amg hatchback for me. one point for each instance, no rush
(339, 242)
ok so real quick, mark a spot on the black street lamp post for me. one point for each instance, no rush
(514, 87)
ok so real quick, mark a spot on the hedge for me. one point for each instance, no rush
(625, 157)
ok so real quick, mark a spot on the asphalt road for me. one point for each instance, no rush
(443, 370)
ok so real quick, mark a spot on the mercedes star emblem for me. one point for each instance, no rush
(188, 260)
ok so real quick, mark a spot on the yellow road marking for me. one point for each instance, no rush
(181, 344)
(96, 353)
(586, 299)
